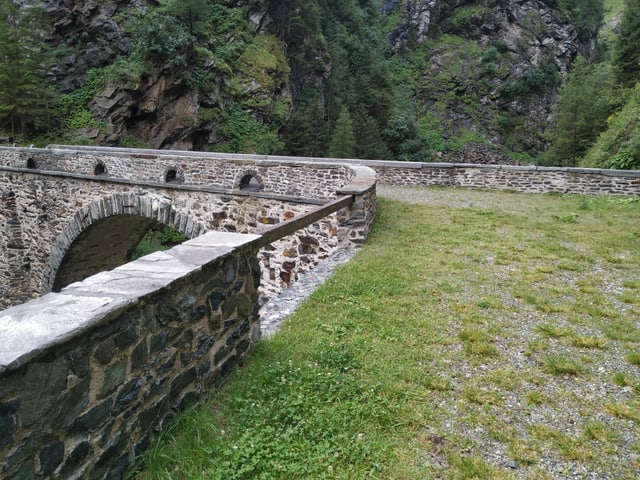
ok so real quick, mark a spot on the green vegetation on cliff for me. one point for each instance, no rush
(416, 80)
(596, 121)
(619, 145)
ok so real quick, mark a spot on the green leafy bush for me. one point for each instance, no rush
(158, 238)
(536, 80)
(244, 134)
(74, 105)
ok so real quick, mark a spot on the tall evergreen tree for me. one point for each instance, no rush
(626, 55)
(584, 104)
(343, 141)
(24, 94)
(369, 139)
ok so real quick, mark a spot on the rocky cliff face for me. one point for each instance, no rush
(480, 72)
(492, 67)
(86, 35)
(164, 107)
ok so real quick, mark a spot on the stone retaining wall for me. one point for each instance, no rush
(507, 177)
(89, 375)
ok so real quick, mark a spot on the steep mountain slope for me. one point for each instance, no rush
(485, 71)
(413, 79)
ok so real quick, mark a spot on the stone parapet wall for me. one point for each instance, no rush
(277, 175)
(44, 215)
(89, 375)
(358, 219)
(507, 177)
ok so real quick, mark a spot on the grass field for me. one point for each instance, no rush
(476, 335)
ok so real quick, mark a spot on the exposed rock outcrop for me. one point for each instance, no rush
(88, 36)
(500, 80)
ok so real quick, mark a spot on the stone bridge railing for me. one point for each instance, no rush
(48, 197)
(90, 374)
(290, 176)
(524, 179)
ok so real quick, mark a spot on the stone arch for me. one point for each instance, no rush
(173, 175)
(100, 169)
(126, 215)
(249, 181)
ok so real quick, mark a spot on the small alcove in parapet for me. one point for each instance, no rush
(250, 182)
(100, 169)
(173, 175)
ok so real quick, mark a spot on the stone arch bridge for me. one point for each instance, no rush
(70, 212)
(89, 375)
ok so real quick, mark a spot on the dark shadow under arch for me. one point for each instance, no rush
(104, 245)
(102, 235)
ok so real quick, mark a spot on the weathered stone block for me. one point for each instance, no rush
(114, 376)
(75, 401)
(204, 345)
(8, 422)
(158, 343)
(93, 419)
(149, 419)
(127, 395)
(182, 381)
(76, 458)
(216, 299)
(79, 361)
(44, 383)
(24, 452)
(105, 351)
(111, 452)
(139, 355)
(51, 457)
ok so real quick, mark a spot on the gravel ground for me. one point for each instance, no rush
(457, 198)
(575, 399)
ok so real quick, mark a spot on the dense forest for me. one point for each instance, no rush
(551, 82)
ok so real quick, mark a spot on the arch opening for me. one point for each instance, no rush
(111, 242)
(31, 163)
(104, 245)
(104, 235)
(249, 183)
(99, 169)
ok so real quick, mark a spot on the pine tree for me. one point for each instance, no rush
(369, 139)
(626, 55)
(584, 104)
(343, 142)
(24, 94)
(306, 132)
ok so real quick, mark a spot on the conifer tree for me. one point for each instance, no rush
(626, 55)
(369, 139)
(343, 142)
(306, 132)
(24, 94)
(584, 104)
